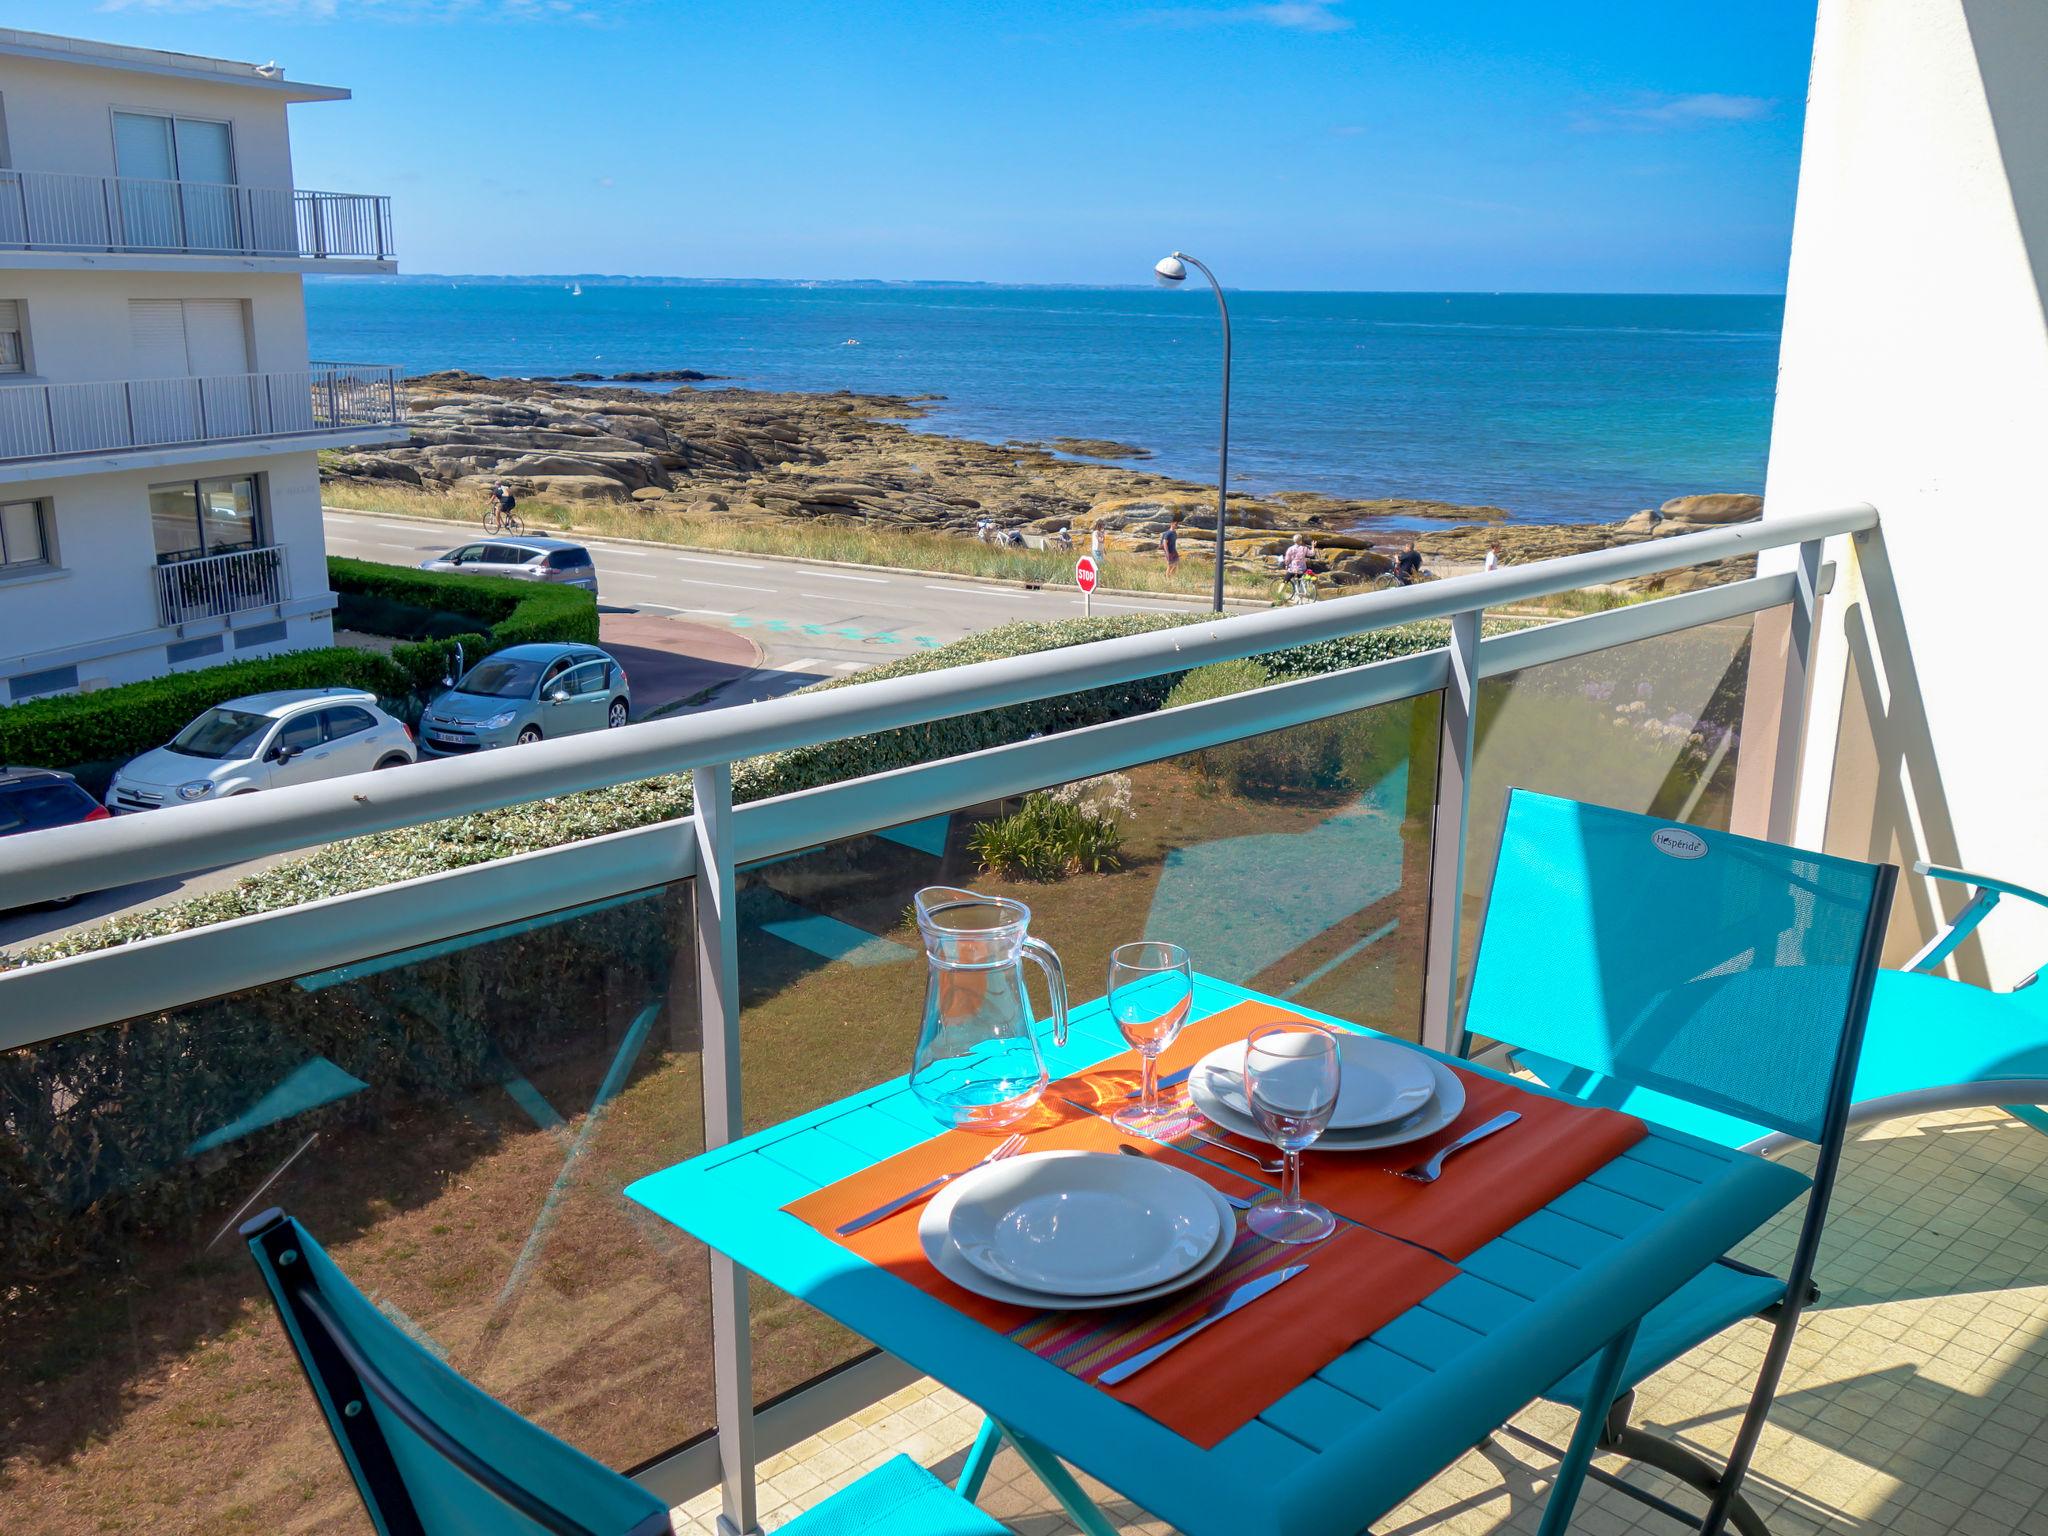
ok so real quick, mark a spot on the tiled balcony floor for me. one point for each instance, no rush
(1916, 1400)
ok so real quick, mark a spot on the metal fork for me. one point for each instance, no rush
(1427, 1172)
(1009, 1147)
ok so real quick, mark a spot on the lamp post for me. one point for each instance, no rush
(1174, 269)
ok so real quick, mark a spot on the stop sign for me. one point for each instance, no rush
(1084, 573)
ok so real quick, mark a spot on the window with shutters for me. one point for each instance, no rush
(24, 535)
(13, 355)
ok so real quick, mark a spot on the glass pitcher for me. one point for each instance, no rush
(978, 1065)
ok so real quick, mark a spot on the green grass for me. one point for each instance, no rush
(942, 553)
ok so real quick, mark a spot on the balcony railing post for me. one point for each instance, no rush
(1795, 694)
(718, 1005)
(1455, 744)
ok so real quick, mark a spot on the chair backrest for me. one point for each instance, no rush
(431, 1454)
(1720, 970)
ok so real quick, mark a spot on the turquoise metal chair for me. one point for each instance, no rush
(1930, 1044)
(433, 1455)
(1705, 981)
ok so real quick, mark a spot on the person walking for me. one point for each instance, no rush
(1493, 557)
(1169, 542)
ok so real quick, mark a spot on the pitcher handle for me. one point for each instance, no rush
(1055, 984)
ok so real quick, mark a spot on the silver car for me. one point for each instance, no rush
(522, 559)
(527, 693)
(265, 739)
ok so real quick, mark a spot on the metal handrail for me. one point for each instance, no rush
(57, 421)
(63, 211)
(56, 863)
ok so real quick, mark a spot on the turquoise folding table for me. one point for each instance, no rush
(1346, 1445)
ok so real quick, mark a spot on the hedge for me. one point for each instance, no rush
(513, 612)
(105, 728)
(104, 1155)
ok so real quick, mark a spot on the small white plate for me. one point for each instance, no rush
(945, 1255)
(1444, 1106)
(1381, 1080)
(1090, 1224)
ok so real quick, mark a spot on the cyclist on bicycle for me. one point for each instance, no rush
(1296, 565)
(502, 505)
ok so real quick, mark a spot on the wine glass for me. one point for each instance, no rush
(1291, 1076)
(1151, 990)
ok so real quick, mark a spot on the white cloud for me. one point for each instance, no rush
(1684, 111)
(1290, 15)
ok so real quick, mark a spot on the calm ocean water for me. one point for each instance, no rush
(1557, 407)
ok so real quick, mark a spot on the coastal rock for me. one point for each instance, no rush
(1714, 509)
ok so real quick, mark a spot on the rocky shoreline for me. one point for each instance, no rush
(781, 456)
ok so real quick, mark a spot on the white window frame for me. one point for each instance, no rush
(14, 338)
(46, 557)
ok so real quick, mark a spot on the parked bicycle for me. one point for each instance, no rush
(501, 510)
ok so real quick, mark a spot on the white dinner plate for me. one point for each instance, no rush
(947, 1259)
(1381, 1081)
(1444, 1107)
(1089, 1224)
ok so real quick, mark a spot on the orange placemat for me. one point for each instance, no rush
(1356, 1282)
(1483, 1191)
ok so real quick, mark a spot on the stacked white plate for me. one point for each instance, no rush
(1074, 1230)
(1389, 1093)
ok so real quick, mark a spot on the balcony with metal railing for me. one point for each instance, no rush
(44, 426)
(647, 942)
(215, 586)
(51, 211)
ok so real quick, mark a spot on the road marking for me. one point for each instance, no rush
(866, 602)
(801, 666)
(723, 586)
(932, 586)
(850, 666)
(737, 565)
(842, 576)
(716, 613)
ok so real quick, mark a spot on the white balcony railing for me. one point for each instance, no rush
(56, 211)
(54, 421)
(145, 990)
(214, 586)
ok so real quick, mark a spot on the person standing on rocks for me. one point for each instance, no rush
(1493, 557)
(1169, 543)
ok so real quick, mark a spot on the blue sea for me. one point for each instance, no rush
(1556, 407)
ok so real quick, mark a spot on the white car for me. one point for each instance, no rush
(289, 737)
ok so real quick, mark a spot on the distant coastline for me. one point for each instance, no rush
(1559, 409)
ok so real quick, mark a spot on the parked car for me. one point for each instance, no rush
(32, 799)
(522, 559)
(525, 693)
(293, 736)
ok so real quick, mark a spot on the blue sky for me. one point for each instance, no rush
(1357, 144)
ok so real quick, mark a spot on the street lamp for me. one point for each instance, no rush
(1174, 269)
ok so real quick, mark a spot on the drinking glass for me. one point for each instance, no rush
(1291, 1075)
(1151, 989)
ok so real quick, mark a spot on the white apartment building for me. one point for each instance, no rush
(159, 419)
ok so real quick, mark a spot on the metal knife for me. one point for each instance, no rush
(1244, 1295)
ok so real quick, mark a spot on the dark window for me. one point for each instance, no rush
(301, 732)
(504, 554)
(552, 679)
(222, 733)
(568, 559)
(30, 684)
(259, 634)
(346, 720)
(192, 650)
(32, 807)
(205, 517)
(588, 677)
(500, 679)
(467, 552)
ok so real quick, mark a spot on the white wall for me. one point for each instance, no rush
(106, 555)
(78, 321)
(1915, 376)
(60, 117)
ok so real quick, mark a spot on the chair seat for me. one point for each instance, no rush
(1716, 1297)
(898, 1498)
(1930, 1032)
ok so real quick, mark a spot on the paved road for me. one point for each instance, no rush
(810, 622)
